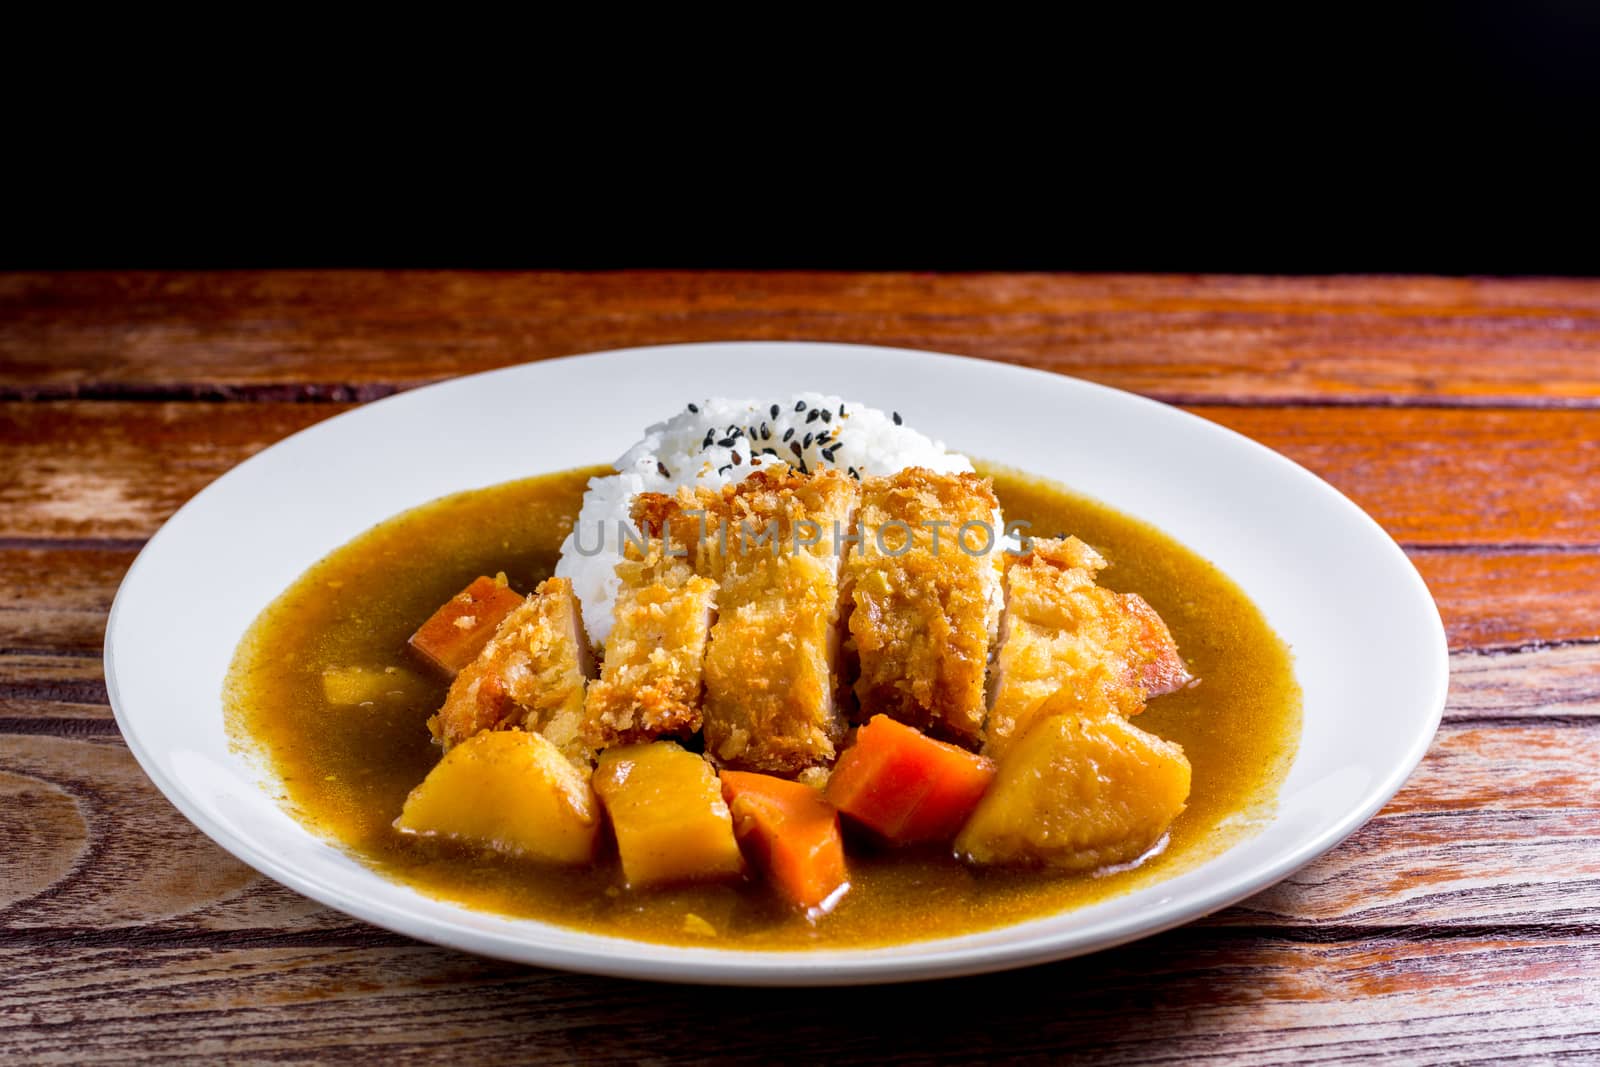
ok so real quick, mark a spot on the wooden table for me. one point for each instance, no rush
(1462, 922)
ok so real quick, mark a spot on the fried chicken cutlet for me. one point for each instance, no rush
(1062, 632)
(530, 676)
(926, 600)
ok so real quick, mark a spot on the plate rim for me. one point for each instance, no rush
(789, 967)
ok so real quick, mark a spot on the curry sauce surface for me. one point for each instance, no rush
(345, 771)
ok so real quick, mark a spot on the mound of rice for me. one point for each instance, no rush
(698, 446)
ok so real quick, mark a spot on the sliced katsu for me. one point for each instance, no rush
(651, 679)
(530, 676)
(925, 584)
(772, 700)
(1062, 633)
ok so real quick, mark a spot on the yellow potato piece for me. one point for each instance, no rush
(349, 686)
(510, 791)
(1078, 792)
(667, 811)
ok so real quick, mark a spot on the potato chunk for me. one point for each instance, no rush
(510, 791)
(667, 810)
(1078, 793)
(353, 686)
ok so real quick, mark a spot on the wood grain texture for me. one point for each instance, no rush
(1505, 598)
(1431, 477)
(1189, 996)
(55, 597)
(1462, 923)
(360, 334)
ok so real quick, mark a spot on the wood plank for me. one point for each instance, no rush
(1500, 822)
(354, 335)
(91, 845)
(1183, 997)
(1495, 598)
(1451, 477)
(117, 470)
(57, 597)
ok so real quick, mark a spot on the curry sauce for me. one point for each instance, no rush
(344, 770)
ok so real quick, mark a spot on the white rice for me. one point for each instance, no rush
(697, 446)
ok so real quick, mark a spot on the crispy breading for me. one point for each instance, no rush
(1062, 633)
(651, 679)
(691, 523)
(926, 605)
(772, 700)
(530, 676)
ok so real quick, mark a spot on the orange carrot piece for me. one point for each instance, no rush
(455, 634)
(905, 786)
(792, 835)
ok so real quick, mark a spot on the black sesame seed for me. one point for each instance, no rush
(694, 409)
(711, 435)
(771, 452)
(726, 442)
(794, 446)
(725, 468)
(813, 415)
(841, 411)
(800, 405)
(827, 416)
(661, 468)
(788, 433)
(766, 432)
(775, 410)
(807, 442)
(855, 474)
(897, 419)
(827, 453)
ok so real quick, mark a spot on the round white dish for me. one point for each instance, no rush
(1369, 647)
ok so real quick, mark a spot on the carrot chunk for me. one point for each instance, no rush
(905, 786)
(455, 634)
(791, 833)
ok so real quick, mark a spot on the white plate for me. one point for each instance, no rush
(1369, 648)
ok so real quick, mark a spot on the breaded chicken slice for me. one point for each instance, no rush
(1103, 651)
(691, 524)
(530, 676)
(653, 672)
(926, 599)
(772, 691)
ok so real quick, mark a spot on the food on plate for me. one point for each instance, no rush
(1109, 651)
(792, 834)
(510, 791)
(786, 674)
(906, 787)
(1079, 792)
(772, 688)
(652, 676)
(531, 675)
(453, 636)
(668, 814)
(926, 606)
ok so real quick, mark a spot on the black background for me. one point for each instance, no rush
(1450, 138)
